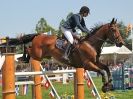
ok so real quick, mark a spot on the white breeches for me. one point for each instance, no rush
(68, 34)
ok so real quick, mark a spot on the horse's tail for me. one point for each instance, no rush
(18, 41)
(27, 38)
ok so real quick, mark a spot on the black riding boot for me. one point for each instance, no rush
(67, 51)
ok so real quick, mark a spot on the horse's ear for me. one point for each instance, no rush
(112, 21)
(115, 21)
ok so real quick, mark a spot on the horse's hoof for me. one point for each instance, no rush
(111, 86)
(105, 88)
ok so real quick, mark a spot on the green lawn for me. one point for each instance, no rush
(68, 89)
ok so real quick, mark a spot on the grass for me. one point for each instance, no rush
(68, 89)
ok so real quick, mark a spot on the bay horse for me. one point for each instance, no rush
(85, 54)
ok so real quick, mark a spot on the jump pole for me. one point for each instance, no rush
(8, 73)
(37, 92)
(79, 84)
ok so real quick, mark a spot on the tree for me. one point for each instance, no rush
(42, 27)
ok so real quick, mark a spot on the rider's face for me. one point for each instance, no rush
(85, 14)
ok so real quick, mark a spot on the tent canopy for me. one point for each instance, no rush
(117, 50)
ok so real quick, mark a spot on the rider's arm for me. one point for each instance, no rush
(83, 24)
(77, 21)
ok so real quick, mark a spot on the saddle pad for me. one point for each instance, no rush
(59, 43)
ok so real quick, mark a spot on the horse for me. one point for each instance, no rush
(85, 54)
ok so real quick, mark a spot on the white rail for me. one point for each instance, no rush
(46, 72)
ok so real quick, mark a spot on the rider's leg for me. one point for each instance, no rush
(69, 37)
(67, 51)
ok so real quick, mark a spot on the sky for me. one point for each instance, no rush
(21, 16)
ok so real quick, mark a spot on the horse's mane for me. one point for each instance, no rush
(94, 29)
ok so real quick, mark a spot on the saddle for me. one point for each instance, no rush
(61, 43)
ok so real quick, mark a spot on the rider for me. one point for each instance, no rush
(68, 27)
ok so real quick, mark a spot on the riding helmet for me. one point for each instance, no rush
(84, 9)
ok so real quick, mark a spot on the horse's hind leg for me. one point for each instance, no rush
(36, 52)
(92, 67)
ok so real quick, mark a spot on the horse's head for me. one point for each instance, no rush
(114, 34)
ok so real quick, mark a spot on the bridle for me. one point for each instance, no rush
(112, 34)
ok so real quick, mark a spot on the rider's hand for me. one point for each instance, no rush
(82, 38)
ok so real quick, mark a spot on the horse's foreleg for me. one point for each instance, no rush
(109, 85)
(92, 67)
(106, 68)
